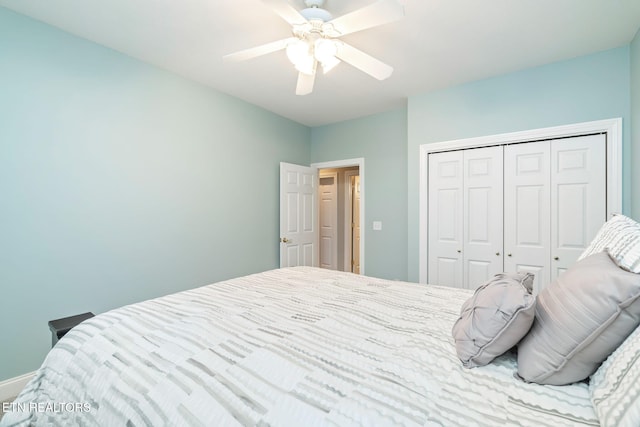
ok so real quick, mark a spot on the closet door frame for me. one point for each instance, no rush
(612, 128)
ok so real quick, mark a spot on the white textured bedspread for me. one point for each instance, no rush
(290, 347)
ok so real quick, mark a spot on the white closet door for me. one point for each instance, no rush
(578, 197)
(527, 200)
(483, 211)
(445, 218)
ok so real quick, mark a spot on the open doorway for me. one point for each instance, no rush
(300, 214)
(339, 201)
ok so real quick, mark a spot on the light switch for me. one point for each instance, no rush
(377, 225)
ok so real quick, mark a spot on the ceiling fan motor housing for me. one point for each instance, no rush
(316, 14)
(314, 3)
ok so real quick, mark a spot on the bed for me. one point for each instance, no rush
(287, 347)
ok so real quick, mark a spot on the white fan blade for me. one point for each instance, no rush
(381, 12)
(363, 62)
(258, 50)
(286, 11)
(305, 83)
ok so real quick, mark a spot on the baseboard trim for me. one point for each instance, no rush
(13, 386)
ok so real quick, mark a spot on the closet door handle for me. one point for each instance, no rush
(556, 258)
(459, 251)
(497, 253)
(508, 254)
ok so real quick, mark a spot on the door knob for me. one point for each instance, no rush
(556, 258)
(497, 253)
(459, 251)
(285, 240)
(508, 254)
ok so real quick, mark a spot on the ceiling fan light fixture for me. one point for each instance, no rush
(298, 51)
(325, 49)
(306, 65)
(329, 64)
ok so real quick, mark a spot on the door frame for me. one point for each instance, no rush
(611, 127)
(359, 162)
(348, 203)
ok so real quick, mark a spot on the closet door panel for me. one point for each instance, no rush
(483, 228)
(578, 197)
(445, 218)
(527, 223)
(478, 272)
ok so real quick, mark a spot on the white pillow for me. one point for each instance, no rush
(615, 386)
(620, 236)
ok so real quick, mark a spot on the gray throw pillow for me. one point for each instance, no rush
(494, 319)
(581, 318)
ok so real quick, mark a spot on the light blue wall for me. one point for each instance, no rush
(635, 126)
(587, 88)
(120, 182)
(381, 140)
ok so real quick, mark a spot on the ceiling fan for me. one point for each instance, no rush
(315, 39)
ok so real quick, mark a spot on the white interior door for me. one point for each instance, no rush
(328, 186)
(482, 218)
(578, 197)
(527, 219)
(445, 218)
(298, 215)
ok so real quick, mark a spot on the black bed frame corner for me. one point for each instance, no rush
(59, 327)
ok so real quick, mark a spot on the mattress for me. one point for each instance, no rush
(288, 347)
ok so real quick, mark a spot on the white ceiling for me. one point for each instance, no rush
(438, 44)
